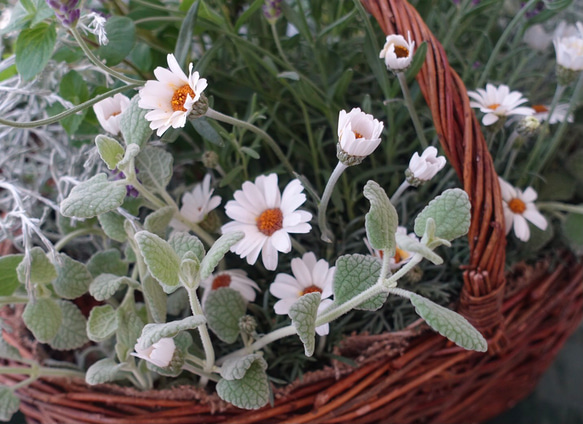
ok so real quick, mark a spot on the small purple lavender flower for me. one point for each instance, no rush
(66, 11)
(539, 7)
(272, 10)
(130, 189)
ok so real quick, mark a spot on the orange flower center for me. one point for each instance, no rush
(358, 135)
(400, 255)
(115, 114)
(179, 97)
(517, 206)
(540, 108)
(222, 280)
(270, 221)
(401, 51)
(493, 106)
(311, 289)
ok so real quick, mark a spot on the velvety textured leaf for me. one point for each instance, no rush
(134, 126)
(34, 48)
(8, 276)
(162, 261)
(105, 285)
(249, 392)
(42, 271)
(382, 220)
(224, 308)
(183, 242)
(107, 262)
(110, 150)
(102, 323)
(43, 318)
(157, 222)
(72, 333)
(8, 351)
(303, 315)
(129, 328)
(103, 371)
(9, 403)
(451, 213)
(410, 245)
(155, 298)
(93, 197)
(112, 225)
(354, 274)
(154, 168)
(152, 333)
(217, 252)
(73, 278)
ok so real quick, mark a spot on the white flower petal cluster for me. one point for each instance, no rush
(398, 52)
(560, 114)
(172, 96)
(426, 166)
(108, 112)
(235, 279)
(309, 276)
(196, 204)
(267, 217)
(159, 354)
(569, 50)
(498, 102)
(518, 208)
(358, 132)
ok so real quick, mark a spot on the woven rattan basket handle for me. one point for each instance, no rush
(464, 145)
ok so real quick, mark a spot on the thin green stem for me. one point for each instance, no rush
(401, 292)
(280, 333)
(77, 233)
(327, 235)
(68, 112)
(7, 300)
(395, 197)
(158, 19)
(278, 44)
(211, 113)
(558, 206)
(205, 376)
(411, 107)
(42, 372)
(203, 331)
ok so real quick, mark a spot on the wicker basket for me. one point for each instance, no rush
(406, 377)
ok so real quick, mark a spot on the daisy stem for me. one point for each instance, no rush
(558, 206)
(98, 62)
(280, 333)
(278, 44)
(412, 112)
(203, 331)
(77, 233)
(510, 163)
(213, 114)
(204, 376)
(327, 236)
(395, 197)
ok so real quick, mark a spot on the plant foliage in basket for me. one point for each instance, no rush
(216, 194)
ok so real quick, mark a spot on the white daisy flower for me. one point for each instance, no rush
(309, 276)
(401, 256)
(235, 279)
(358, 132)
(425, 167)
(108, 112)
(559, 114)
(569, 50)
(498, 102)
(172, 96)
(518, 208)
(267, 217)
(196, 204)
(398, 52)
(159, 354)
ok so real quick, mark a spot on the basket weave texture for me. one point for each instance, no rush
(412, 376)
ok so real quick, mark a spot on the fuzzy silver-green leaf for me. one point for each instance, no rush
(217, 252)
(381, 221)
(354, 274)
(93, 197)
(163, 263)
(451, 213)
(303, 314)
(224, 308)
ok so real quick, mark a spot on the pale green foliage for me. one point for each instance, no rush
(382, 220)
(103, 371)
(155, 298)
(43, 318)
(9, 403)
(189, 271)
(163, 263)
(129, 328)
(7, 351)
(158, 221)
(73, 278)
(112, 225)
(183, 242)
(110, 150)
(409, 244)
(133, 124)
(102, 323)
(303, 314)
(151, 333)
(217, 252)
(42, 271)
(244, 382)
(8, 276)
(449, 324)
(93, 197)
(451, 213)
(155, 168)
(224, 307)
(354, 274)
(105, 285)
(107, 262)
(72, 332)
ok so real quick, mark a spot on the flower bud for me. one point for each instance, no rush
(210, 159)
(272, 10)
(66, 11)
(398, 52)
(358, 136)
(159, 354)
(528, 126)
(247, 324)
(425, 167)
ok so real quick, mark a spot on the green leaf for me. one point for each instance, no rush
(102, 323)
(9, 403)
(410, 245)
(163, 263)
(73, 88)
(158, 221)
(42, 271)
(303, 315)
(7, 351)
(382, 220)
(354, 274)
(449, 324)
(110, 150)
(103, 371)
(72, 333)
(121, 33)
(417, 62)
(573, 230)
(152, 333)
(93, 197)
(224, 308)
(36, 11)
(112, 225)
(246, 15)
(217, 252)
(184, 41)
(73, 278)
(107, 262)
(289, 75)
(43, 318)
(105, 285)
(451, 212)
(183, 242)
(34, 48)
(250, 152)
(155, 168)
(8, 276)
(177, 302)
(189, 272)
(155, 298)
(205, 129)
(129, 328)
(249, 392)
(135, 128)
(236, 368)
(68, 225)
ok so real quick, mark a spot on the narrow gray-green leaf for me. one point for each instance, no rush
(107, 262)
(183, 242)
(9, 404)
(449, 324)
(189, 272)
(152, 333)
(112, 225)
(102, 323)
(42, 271)
(303, 315)
(43, 318)
(224, 308)
(93, 197)
(154, 168)
(249, 392)
(355, 274)
(410, 245)
(184, 41)
(105, 285)
(72, 333)
(103, 371)
(155, 298)
(110, 150)
(157, 222)
(451, 213)
(163, 263)
(135, 128)
(204, 128)
(217, 252)
(73, 278)
(382, 220)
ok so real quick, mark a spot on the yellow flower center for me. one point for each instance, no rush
(401, 51)
(517, 206)
(540, 108)
(400, 255)
(493, 106)
(222, 280)
(179, 97)
(311, 289)
(357, 135)
(270, 221)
